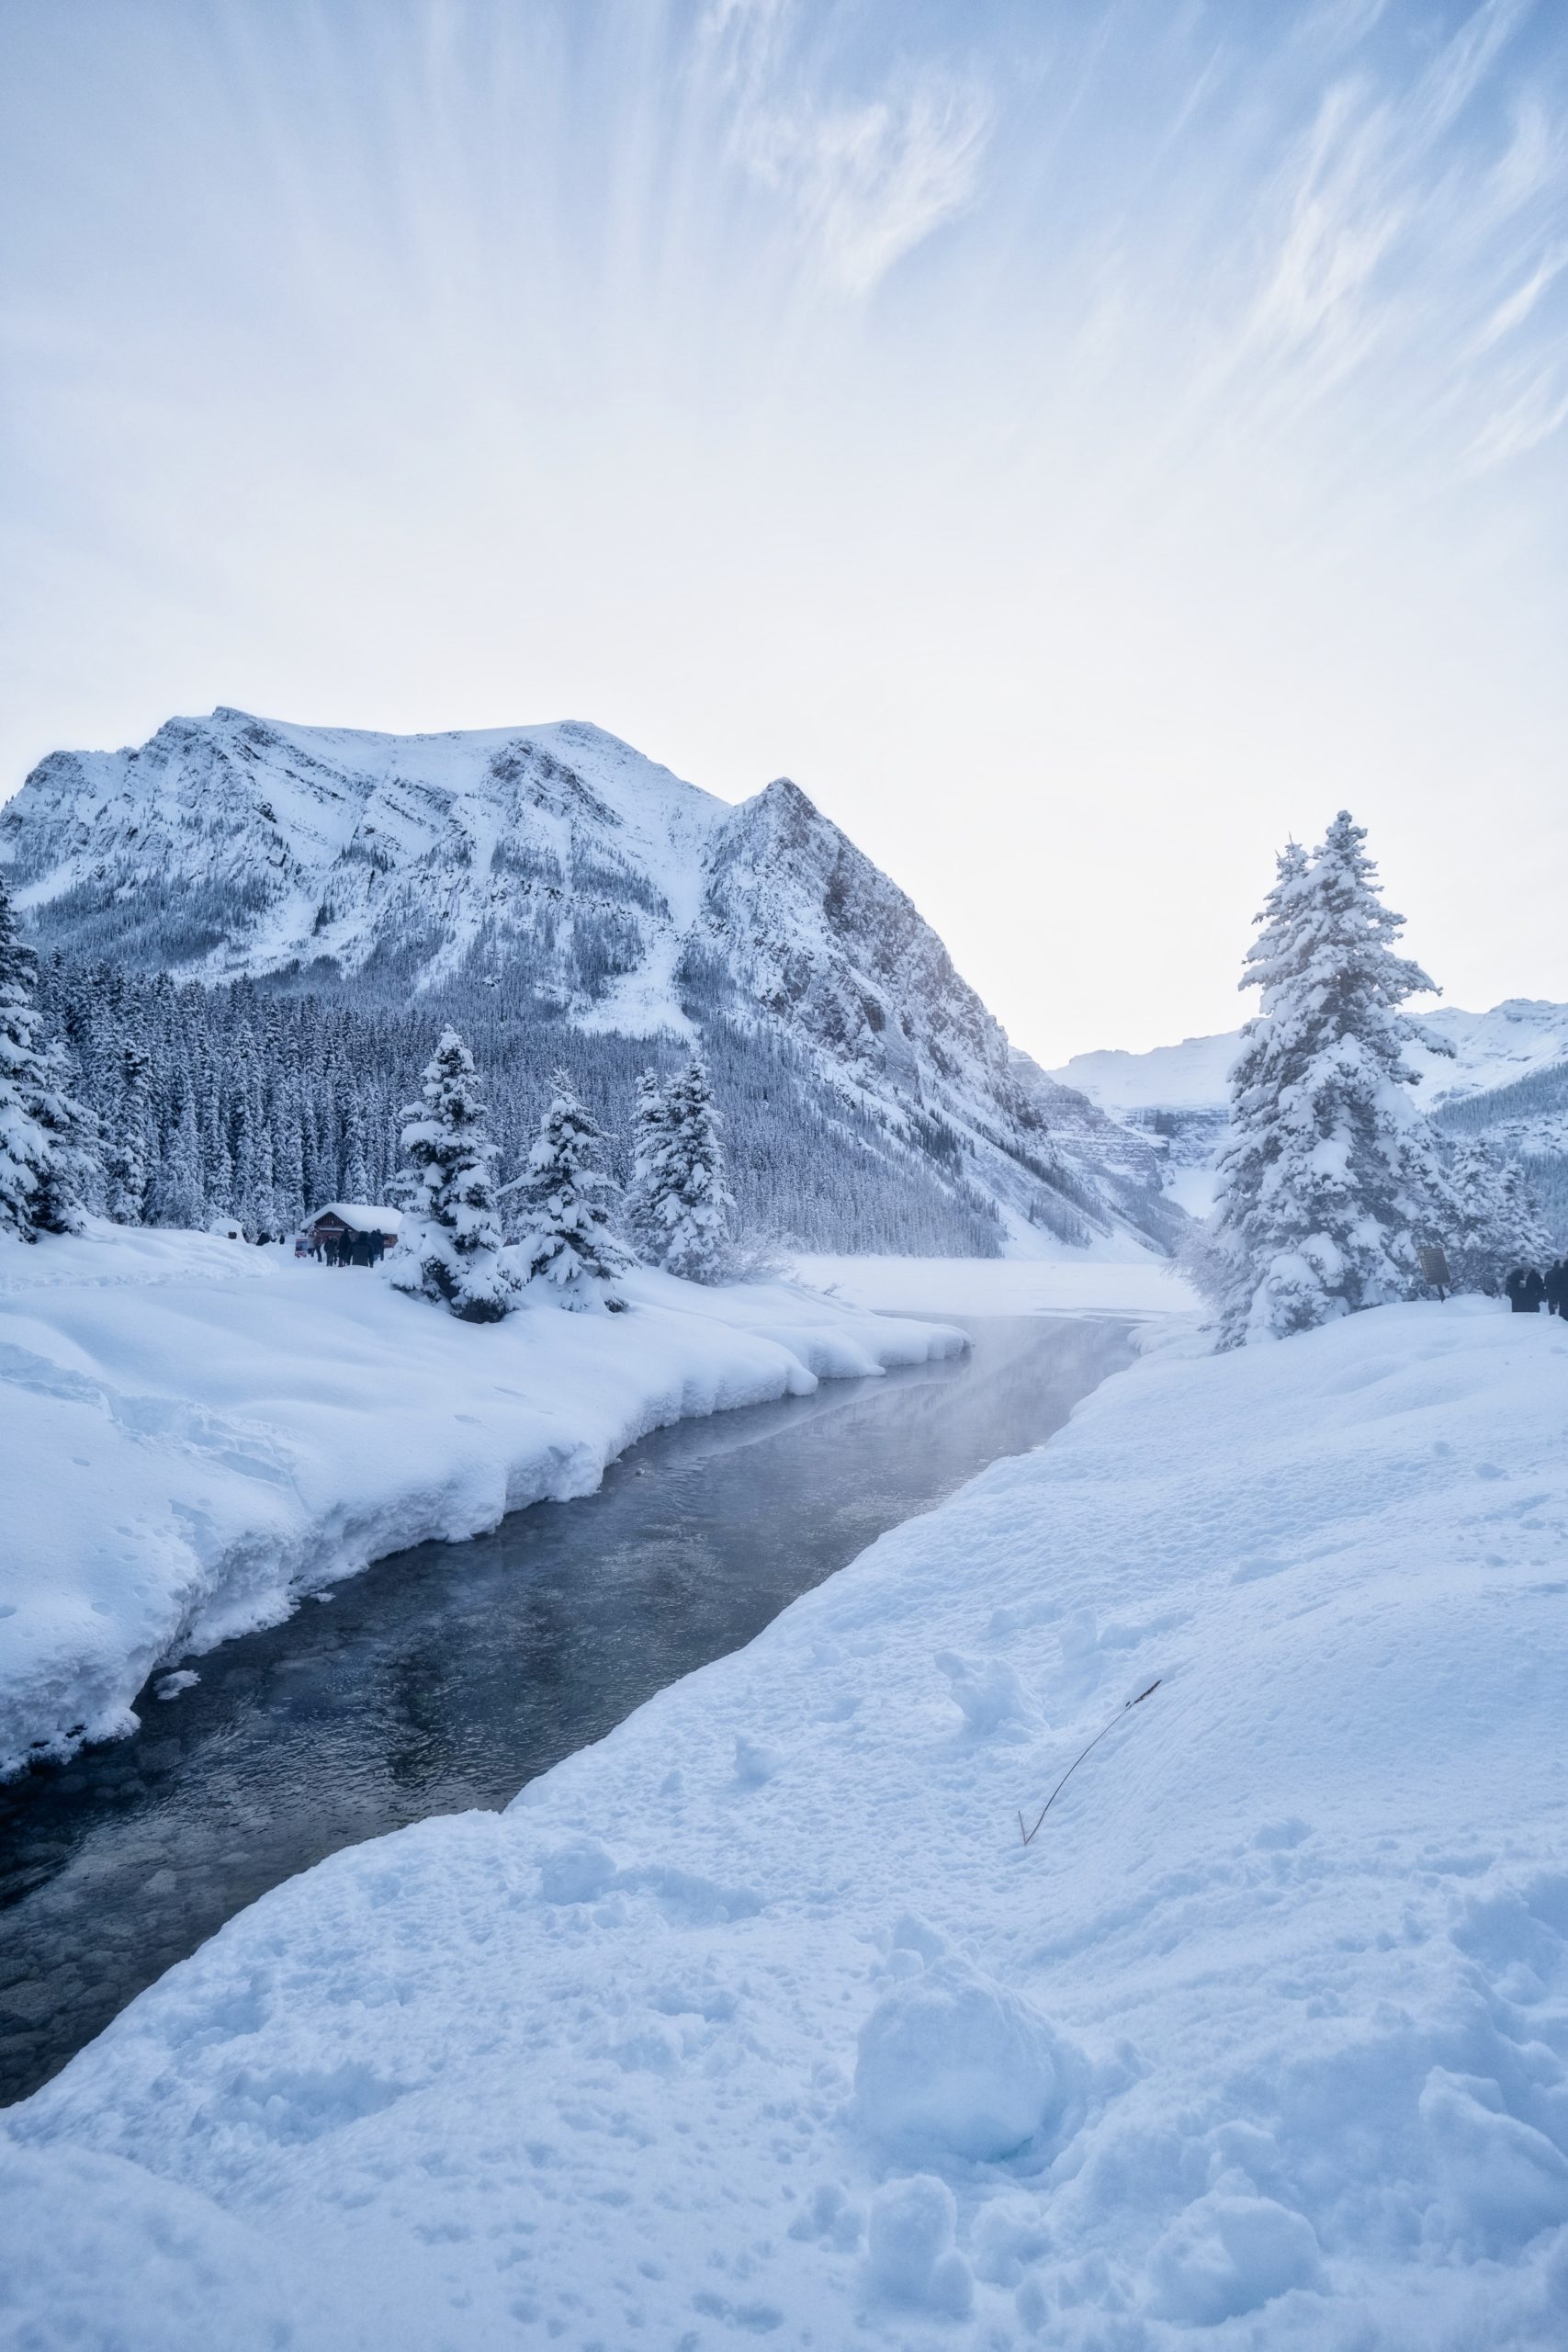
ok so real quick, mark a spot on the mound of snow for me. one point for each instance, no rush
(1262, 2041)
(194, 1432)
(953, 2064)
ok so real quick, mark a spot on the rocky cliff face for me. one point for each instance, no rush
(622, 898)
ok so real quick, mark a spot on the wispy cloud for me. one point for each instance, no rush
(866, 176)
(869, 183)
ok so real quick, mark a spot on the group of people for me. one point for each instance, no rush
(344, 1249)
(1529, 1290)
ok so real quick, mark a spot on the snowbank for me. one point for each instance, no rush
(193, 1432)
(760, 2019)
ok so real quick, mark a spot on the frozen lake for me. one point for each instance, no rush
(446, 1676)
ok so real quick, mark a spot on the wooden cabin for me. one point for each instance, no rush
(351, 1217)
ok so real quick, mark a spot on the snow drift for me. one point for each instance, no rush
(758, 2019)
(194, 1432)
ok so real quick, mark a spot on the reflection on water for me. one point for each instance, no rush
(447, 1676)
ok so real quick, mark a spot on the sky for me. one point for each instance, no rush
(1085, 442)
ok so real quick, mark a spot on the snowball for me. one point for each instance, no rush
(915, 1934)
(953, 2065)
(829, 2215)
(913, 2259)
(1226, 2255)
(576, 1873)
(754, 1760)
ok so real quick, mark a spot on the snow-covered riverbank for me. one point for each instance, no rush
(759, 2017)
(193, 1433)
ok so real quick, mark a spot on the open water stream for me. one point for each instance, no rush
(447, 1676)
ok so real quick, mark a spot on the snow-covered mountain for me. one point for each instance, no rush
(624, 901)
(1502, 1073)
(1473, 1054)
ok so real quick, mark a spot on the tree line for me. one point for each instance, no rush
(471, 1243)
(257, 1103)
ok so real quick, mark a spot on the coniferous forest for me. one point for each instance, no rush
(258, 1102)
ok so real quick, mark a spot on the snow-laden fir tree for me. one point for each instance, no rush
(1331, 1180)
(683, 1205)
(567, 1242)
(46, 1136)
(129, 1163)
(651, 1127)
(1216, 1256)
(356, 1179)
(180, 1199)
(1497, 1222)
(1520, 1229)
(1473, 1246)
(452, 1245)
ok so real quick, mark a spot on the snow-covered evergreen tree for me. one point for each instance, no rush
(566, 1240)
(46, 1136)
(451, 1248)
(288, 1153)
(130, 1126)
(650, 1127)
(1497, 1222)
(1520, 1229)
(1332, 1178)
(180, 1196)
(356, 1179)
(1473, 1247)
(685, 1206)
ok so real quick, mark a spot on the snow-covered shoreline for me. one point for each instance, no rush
(759, 2018)
(1131, 1282)
(195, 1433)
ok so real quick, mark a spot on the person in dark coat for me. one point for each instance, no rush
(359, 1251)
(1557, 1288)
(1515, 1289)
(1535, 1293)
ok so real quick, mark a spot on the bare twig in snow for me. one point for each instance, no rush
(1029, 1833)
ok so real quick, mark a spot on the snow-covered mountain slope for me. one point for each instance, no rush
(1473, 1054)
(621, 899)
(1503, 1074)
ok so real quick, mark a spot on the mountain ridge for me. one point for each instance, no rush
(620, 899)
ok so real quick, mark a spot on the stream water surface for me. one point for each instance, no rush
(446, 1676)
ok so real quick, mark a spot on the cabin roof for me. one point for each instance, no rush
(360, 1216)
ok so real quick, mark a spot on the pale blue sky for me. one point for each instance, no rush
(1082, 441)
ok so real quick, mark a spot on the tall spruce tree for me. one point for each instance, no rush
(650, 1128)
(181, 1199)
(452, 1248)
(1520, 1229)
(46, 1136)
(131, 1157)
(566, 1244)
(1273, 959)
(1332, 1178)
(1474, 1248)
(685, 1206)
(356, 1180)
